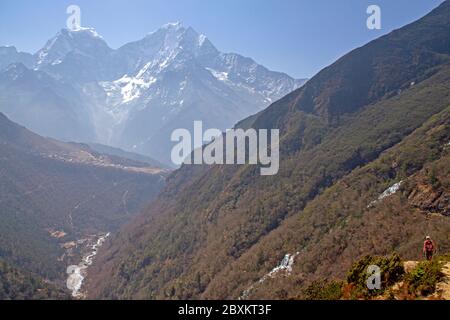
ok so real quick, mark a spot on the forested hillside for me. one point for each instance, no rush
(376, 117)
(17, 284)
(53, 194)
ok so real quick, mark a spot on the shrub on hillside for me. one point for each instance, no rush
(323, 290)
(391, 269)
(423, 279)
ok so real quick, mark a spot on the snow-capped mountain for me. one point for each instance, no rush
(76, 55)
(174, 76)
(138, 94)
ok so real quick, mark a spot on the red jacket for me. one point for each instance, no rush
(429, 246)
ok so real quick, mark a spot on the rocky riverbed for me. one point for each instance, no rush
(77, 273)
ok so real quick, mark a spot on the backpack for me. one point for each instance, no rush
(429, 245)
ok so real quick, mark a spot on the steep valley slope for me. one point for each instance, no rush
(377, 117)
(54, 194)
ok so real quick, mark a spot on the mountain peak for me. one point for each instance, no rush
(170, 39)
(172, 25)
(81, 30)
(83, 40)
(168, 27)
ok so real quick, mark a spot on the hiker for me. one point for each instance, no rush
(428, 248)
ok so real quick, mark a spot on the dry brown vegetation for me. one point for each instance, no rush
(378, 116)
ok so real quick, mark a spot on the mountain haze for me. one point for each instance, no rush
(77, 88)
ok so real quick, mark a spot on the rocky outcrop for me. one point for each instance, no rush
(430, 200)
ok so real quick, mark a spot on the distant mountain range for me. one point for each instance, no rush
(364, 169)
(78, 88)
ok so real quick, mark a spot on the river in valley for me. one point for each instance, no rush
(77, 273)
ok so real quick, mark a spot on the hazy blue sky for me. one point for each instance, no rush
(298, 37)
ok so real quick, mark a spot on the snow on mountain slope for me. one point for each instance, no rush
(77, 56)
(175, 76)
(138, 94)
(84, 41)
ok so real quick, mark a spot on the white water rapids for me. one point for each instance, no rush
(78, 272)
